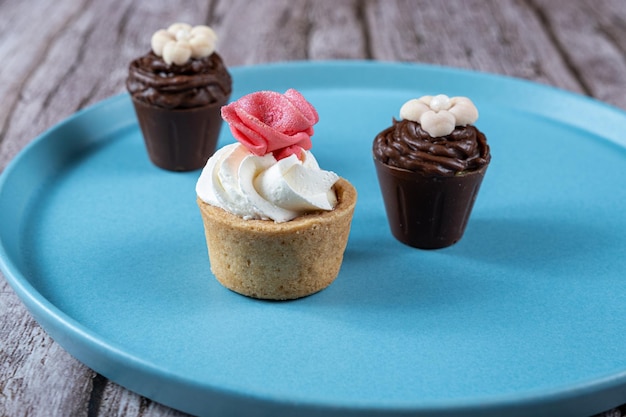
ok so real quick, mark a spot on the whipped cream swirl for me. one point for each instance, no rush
(264, 188)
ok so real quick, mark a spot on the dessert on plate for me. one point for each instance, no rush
(177, 90)
(276, 224)
(430, 165)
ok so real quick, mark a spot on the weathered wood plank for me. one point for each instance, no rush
(337, 30)
(253, 32)
(22, 58)
(283, 30)
(591, 37)
(504, 37)
(116, 401)
(31, 365)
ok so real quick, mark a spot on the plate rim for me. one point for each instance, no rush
(56, 321)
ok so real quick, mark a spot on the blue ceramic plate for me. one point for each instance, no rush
(524, 316)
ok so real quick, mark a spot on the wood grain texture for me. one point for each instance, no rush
(591, 37)
(72, 53)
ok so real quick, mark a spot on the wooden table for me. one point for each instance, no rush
(57, 57)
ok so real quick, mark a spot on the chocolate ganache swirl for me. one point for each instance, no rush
(196, 83)
(406, 145)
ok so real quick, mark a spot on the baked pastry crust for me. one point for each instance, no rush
(279, 261)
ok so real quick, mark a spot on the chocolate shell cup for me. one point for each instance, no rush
(178, 108)
(428, 212)
(179, 139)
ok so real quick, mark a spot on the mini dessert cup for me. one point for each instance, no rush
(279, 261)
(179, 139)
(428, 212)
(177, 90)
(430, 166)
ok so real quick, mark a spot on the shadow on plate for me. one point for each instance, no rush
(495, 259)
(532, 243)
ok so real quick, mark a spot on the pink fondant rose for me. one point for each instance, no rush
(267, 121)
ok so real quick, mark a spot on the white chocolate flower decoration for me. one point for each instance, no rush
(440, 114)
(180, 42)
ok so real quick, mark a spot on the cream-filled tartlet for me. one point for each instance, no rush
(430, 166)
(276, 224)
(178, 89)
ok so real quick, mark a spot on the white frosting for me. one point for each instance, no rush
(260, 187)
(440, 114)
(181, 42)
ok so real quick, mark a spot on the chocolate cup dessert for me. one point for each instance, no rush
(428, 212)
(179, 140)
(178, 108)
(429, 185)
